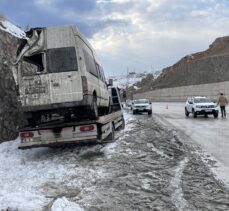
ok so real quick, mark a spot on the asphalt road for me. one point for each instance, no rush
(212, 135)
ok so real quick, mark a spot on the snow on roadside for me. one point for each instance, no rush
(175, 185)
(220, 170)
(30, 179)
(110, 148)
(64, 204)
(12, 29)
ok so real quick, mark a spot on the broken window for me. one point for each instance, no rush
(32, 64)
(61, 60)
(28, 69)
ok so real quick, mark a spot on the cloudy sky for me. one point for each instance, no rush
(138, 35)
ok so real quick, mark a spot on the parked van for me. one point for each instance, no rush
(58, 74)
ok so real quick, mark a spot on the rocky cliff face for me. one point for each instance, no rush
(209, 66)
(9, 107)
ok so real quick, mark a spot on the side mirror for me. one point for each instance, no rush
(150, 103)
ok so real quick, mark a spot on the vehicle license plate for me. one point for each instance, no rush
(208, 110)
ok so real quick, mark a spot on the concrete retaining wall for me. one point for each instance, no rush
(180, 94)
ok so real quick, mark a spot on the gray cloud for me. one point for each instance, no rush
(144, 33)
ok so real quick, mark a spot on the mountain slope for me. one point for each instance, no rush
(208, 66)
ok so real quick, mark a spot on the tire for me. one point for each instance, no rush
(150, 112)
(194, 114)
(215, 115)
(134, 112)
(94, 109)
(186, 112)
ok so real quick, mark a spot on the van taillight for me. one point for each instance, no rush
(84, 84)
(26, 135)
(86, 128)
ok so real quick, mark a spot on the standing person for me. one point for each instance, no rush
(222, 101)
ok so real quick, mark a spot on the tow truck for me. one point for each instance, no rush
(58, 132)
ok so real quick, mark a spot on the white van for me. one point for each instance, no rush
(58, 73)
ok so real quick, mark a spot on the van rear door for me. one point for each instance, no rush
(64, 77)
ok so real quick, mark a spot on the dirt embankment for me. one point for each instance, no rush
(209, 66)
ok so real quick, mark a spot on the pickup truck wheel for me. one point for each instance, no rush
(94, 109)
(194, 114)
(186, 112)
(215, 115)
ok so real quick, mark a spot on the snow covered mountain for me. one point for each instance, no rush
(132, 79)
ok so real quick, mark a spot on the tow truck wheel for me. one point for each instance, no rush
(186, 112)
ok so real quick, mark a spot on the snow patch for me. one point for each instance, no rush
(123, 81)
(175, 185)
(12, 29)
(156, 150)
(220, 171)
(63, 204)
(28, 176)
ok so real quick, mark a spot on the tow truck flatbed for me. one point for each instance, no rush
(58, 132)
(61, 123)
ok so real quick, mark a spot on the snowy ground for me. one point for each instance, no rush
(148, 167)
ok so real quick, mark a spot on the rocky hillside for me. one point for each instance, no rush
(9, 107)
(208, 66)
